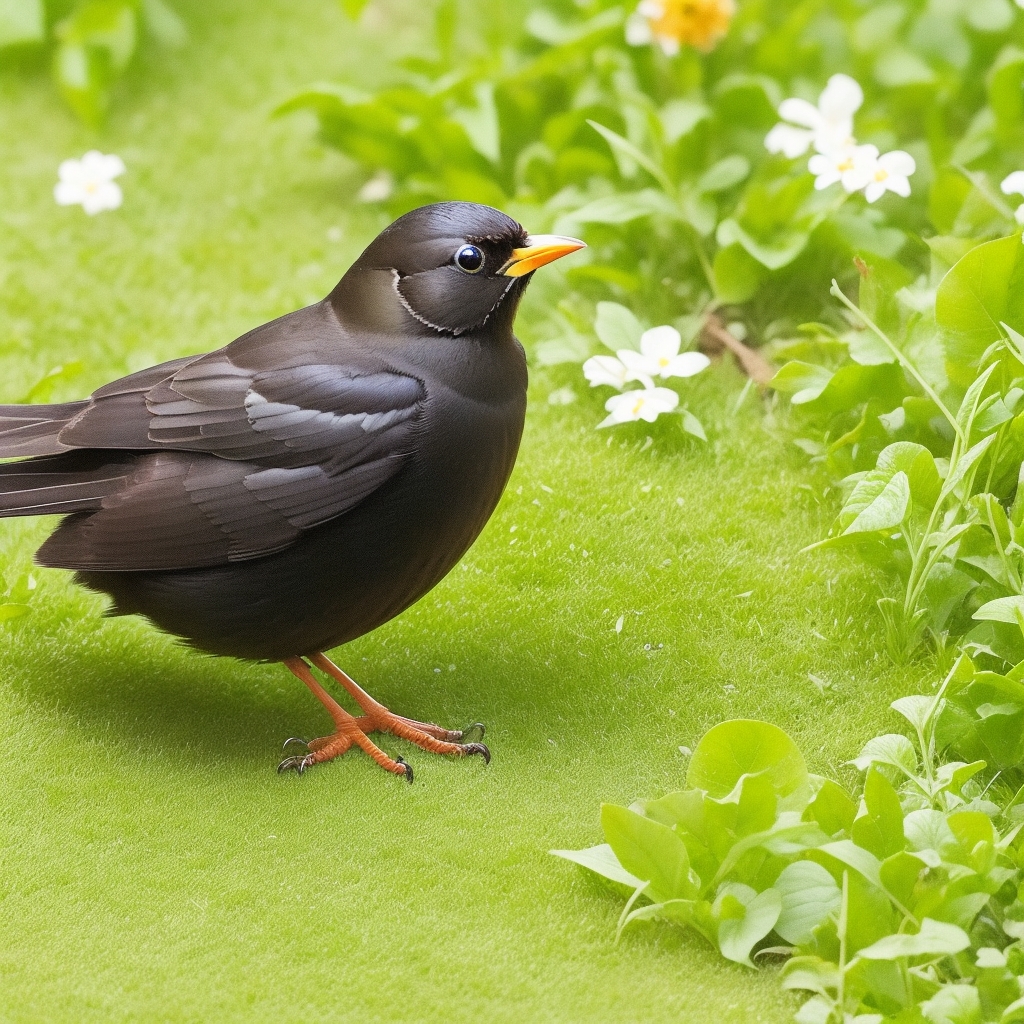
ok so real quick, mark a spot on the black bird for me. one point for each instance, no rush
(303, 485)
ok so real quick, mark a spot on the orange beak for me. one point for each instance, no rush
(539, 249)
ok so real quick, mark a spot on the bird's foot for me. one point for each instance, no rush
(351, 730)
(326, 748)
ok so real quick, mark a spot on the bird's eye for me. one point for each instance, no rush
(469, 258)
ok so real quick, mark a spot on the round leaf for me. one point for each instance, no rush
(747, 747)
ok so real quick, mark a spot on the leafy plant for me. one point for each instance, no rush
(902, 902)
(932, 512)
(91, 42)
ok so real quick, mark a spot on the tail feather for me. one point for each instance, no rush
(27, 430)
(75, 482)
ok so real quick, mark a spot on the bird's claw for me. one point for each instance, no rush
(408, 768)
(294, 739)
(472, 732)
(297, 762)
(477, 748)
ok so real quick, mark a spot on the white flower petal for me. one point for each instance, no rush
(841, 99)
(669, 45)
(790, 141)
(898, 163)
(605, 370)
(1013, 184)
(875, 190)
(638, 30)
(660, 342)
(106, 196)
(638, 366)
(642, 404)
(686, 364)
(68, 193)
(801, 112)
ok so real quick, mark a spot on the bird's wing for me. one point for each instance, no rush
(228, 456)
(179, 510)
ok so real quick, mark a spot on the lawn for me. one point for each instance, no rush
(153, 866)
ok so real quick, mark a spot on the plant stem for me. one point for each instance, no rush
(900, 357)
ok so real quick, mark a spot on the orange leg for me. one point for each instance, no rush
(349, 729)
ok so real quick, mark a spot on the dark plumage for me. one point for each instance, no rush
(306, 483)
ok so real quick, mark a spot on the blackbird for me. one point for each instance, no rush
(309, 481)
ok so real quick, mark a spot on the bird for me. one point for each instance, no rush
(285, 494)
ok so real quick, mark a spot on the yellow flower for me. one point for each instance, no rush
(676, 23)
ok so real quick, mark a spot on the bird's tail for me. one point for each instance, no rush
(32, 429)
(73, 482)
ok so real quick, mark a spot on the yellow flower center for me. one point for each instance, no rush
(663, 361)
(699, 23)
(91, 186)
(845, 165)
(881, 174)
(638, 406)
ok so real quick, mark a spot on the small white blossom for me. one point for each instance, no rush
(606, 370)
(377, 189)
(1013, 184)
(852, 166)
(827, 127)
(659, 356)
(891, 173)
(642, 404)
(89, 182)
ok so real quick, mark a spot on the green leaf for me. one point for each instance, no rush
(985, 287)
(953, 1004)
(935, 938)
(1002, 609)
(892, 749)
(745, 917)
(602, 861)
(747, 747)
(915, 708)
(693, 426)
(963, 465)
(774, 255)
(13, 611)
(649, 850)
(832, 808)
(617, 327)
(737, 274)
(680, 117)
(622, 208)
(919, 464)
(623, 147)
(163, 24)
(803, 382)
(809, 894)
(810, 974)
(481, 122)
(989, 15)
(880, 828)
(847, 852)
(877, 504)
(22, 21)
(724, 174)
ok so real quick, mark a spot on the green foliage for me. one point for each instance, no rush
(660, 163)
(904, 902)
(91, 43)
(936, 510)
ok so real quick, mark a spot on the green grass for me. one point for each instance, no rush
(152, 864)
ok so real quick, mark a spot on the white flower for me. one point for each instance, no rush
(853, 166)
(1013, 184)
(890, 174)
(377, 189)
(90, 182)
(605, 370)
(827, 127)
(641, 404)
(659, 356)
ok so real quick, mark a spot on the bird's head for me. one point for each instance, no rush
(451, 267)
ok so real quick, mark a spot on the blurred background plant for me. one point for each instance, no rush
(89, 43)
